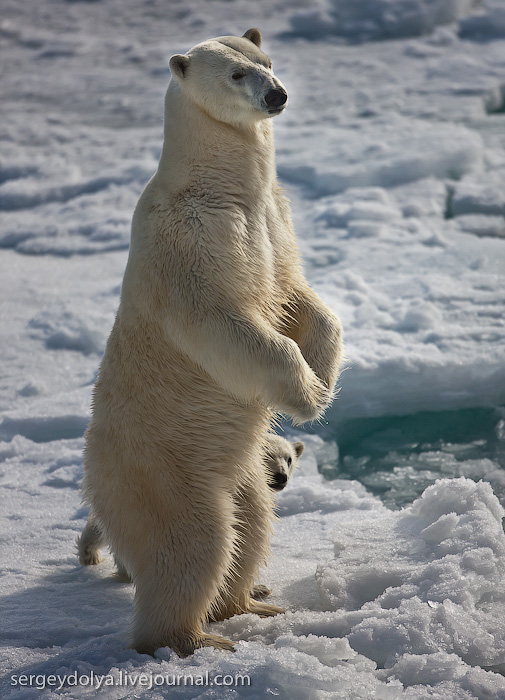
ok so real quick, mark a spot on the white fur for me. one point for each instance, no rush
(216, 328)
(281, 459)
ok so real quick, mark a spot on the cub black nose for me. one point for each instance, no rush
(276, 97)
(280, 478)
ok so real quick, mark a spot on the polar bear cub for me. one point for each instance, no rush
(281, 459)
(217, 330)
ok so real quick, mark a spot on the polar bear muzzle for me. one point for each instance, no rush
(275, 99)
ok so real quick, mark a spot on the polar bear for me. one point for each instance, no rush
(217, 330)
(280, 458)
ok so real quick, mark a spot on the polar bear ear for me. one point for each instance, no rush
(253, 35)
(179, 65)
(299, 448)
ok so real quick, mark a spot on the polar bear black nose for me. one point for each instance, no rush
(276, 97)
(280, 478)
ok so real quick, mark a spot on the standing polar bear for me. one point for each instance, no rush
(216, 330)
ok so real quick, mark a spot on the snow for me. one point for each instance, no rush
(379, 19)
(489, 22)
(444, 553)
(392, 151)
(410, 151)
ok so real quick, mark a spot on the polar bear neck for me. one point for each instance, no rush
(198, 147)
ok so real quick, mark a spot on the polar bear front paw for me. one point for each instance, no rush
(313, 400)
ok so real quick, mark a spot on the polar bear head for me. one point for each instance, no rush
(281, 459)
(231, 79)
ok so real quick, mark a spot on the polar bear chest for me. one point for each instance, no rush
(229, 239)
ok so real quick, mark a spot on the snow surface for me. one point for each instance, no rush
(393, 154)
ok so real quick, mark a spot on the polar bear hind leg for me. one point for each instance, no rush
(89, 543)
(178, 574)
(254, 509)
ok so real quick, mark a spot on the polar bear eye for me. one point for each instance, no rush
(289, 461)
(237, 76)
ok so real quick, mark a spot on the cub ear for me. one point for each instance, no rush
(179, 65)
(299, 448)
(253, 35)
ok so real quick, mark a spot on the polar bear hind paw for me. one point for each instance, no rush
(188, 645)
(88, 554)
(187, 648)
(260, 591)
(264, 609)
(224, 612)
(214, 640)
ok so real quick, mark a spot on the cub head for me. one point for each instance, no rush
(231, 79)
(281, 459)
